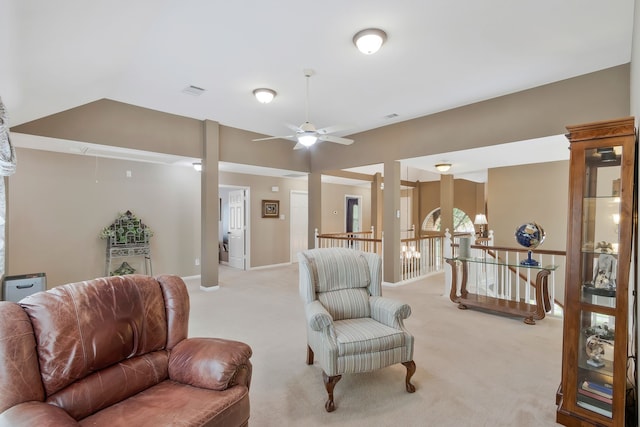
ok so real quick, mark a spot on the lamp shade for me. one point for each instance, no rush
(481, 219)
(264, 95)
(369, 41)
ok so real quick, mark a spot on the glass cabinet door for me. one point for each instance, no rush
(600, 225)
(595, 363)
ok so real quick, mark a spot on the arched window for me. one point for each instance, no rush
(461, 221)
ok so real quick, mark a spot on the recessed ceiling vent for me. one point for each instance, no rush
(193, 90)
(391, 116)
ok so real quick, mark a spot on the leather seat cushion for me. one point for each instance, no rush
(172, 403)
(365, 335)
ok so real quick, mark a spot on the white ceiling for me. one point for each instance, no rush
(439, 55)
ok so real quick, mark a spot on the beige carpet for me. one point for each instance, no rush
(473, 368)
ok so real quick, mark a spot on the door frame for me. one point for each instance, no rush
(247, 220)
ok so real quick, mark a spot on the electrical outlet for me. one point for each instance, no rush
(197, 261)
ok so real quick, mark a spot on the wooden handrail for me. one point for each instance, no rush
(535, 251)
(357, 239)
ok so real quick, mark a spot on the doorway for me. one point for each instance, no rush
(234, 227)
(353, 215)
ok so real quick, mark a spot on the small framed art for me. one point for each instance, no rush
(270, 208)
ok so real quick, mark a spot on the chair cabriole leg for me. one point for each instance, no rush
(411, 369)
(309, 356)
(330, 383)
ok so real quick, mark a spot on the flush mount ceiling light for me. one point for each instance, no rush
(197, 166)
(264, 95)
(443, 167)
(369, 41)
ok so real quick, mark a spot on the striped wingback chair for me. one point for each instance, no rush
(350, 327)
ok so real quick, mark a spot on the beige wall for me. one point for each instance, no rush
(117, 124)
(59, 203)
(528, 114)
(333, 206)
(520, 194)
(538, 192)
(533, 113)
(269, 240)
(467, 195)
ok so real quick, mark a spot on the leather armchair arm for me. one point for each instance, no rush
(318, 317)
(212, 363)
(389, 311)
(33, 413)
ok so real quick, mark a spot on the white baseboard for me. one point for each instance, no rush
(202, 288)
(262, 267)
(406, 282)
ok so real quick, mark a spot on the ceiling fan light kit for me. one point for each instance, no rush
(370, 40)
(307, 138)
(264, 95)
(306, 134)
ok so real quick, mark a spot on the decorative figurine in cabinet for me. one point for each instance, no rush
(599, 289)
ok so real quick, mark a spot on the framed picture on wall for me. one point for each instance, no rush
(270, 208)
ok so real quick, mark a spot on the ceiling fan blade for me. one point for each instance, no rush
(333, 129)
(274, 137)
(336, 139)
(294, 128)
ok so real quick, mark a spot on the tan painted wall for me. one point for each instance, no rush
(544, 201)
(57, 209)
(520, 194)
(114, 123)
(270, 238)
(466, 196)
(269, 242)
(333, 206)
(117, 124)
(533, 113)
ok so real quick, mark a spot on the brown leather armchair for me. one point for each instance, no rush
(114, 351)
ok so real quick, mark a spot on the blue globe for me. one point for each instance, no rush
(530, 235)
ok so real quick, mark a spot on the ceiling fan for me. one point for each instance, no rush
(306, 134)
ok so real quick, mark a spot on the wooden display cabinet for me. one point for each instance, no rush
(598, 289)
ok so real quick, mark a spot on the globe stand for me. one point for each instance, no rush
(530, 261)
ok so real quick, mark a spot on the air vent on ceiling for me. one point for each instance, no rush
(193, 90)
(391, 116)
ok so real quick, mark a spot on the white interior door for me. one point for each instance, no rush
(237, 229)
(299, 216)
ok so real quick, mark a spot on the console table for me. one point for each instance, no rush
(530, 312)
